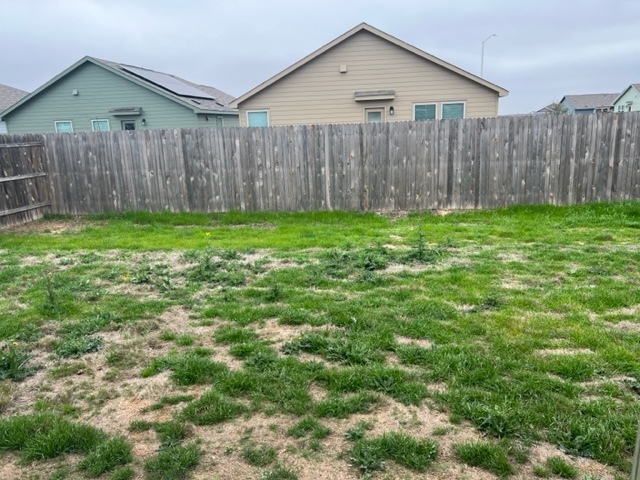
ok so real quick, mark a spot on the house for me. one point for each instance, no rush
(628, 100)
(8, 96)
(99, 95)
(589, 103)
(366, 75)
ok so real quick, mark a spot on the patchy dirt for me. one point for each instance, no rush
(547, 352)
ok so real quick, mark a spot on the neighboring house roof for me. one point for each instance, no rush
(590, 101)
(636, 86)
(379, 33)
(199, 98)
(9, 96)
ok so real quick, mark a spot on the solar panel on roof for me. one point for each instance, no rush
(168, 82)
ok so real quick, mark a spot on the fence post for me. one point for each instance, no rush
(635, 470)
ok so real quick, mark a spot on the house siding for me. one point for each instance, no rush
(318, 93)
(631, 95)
(98, 92)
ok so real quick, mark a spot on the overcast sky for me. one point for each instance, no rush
(544, 49)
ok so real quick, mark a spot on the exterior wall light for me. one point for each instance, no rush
(392, 110)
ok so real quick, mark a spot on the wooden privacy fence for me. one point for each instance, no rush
(448, 164)
(24, 190)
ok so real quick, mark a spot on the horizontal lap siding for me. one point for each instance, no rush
(317, 93)
(98, 92)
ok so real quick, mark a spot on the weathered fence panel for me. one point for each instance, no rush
(24, 188)
(448, 164)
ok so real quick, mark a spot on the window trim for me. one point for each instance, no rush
(452, 102)
(93, 122)
(381, 110)
(263, 110)
(55, 125)
(413, 110)
(135, 125)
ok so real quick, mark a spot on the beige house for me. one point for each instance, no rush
(366, 75)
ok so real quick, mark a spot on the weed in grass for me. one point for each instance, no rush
(173, 463)
(189, 368)
(171, 433)
(168, 400)
(211, 408)
(168, 336)
(42, 436)
(344, 406)
(357, 431)
(231, 334)
(7, 393)
(124, 473)
(13, 363)
(279, 472)
(561, 468)
(275, 293)
(75, 346)
(369, 455)
(440, 431)
(106, 457)
(67, 369)
(60, 473)
(309, 425)
(259, 456)
(541, 471)
(486, 455)
(185, 340)
(158, 275)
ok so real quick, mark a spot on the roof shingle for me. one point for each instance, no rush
(9, 96)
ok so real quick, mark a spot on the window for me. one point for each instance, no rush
(64, 126)
(128, 124)
(100, 125)
(374, 115)
(453, 110)
(424, 111)
(258, 118)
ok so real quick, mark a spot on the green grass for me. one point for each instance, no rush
(173, 463)
(259, 456)
(558, 466)
(525, 318)
(369, 455)
(106, 457)
(486, 455)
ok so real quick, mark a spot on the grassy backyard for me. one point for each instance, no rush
(270, 346)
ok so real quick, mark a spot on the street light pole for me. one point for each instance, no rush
(482, 55)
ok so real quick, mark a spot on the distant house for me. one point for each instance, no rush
(366, 75)
(628, 100)
(99, 95)
(9, 96)
(589, 103)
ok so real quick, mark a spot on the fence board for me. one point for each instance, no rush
(471, 163)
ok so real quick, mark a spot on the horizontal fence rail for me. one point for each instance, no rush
(438, 164)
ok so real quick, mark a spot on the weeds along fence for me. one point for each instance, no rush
(440, 164)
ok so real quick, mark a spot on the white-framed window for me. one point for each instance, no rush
(374, 115)
(128, 124)
(63, 126)
(258, 118)
(424, 111)
(100, 125)
(452, 110)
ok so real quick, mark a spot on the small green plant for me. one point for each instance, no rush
(124, 473)
(173, 463)
(561, 468)
(13, 363)
(184, 340)
(275, 293)
(260, 456)
(211, 408)
(541, 471)
(486, 455)
(369, 455)
(279, 472)
(309, 425)
(106, 457)
(357, 431)
(168, 335)
(75, 346)
(169, 400)
(440, 431)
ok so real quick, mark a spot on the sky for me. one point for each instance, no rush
(543, 49)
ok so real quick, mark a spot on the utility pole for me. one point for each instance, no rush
(482, 54)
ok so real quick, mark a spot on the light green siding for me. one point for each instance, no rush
(631, 95)
(217, 120)
(98, 92)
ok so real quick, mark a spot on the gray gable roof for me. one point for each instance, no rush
(591, 100)
(9, 96)
(220, 104)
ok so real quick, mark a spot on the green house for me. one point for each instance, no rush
(99, 95)
(628, 100)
